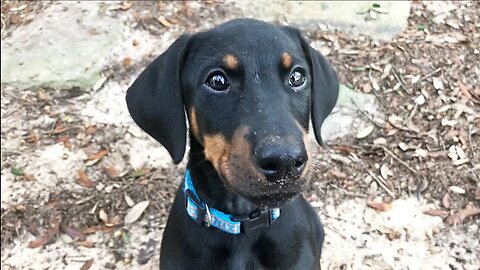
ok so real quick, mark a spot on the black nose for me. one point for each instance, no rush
(278, 159)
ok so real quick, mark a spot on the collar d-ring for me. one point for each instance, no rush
(208, 217)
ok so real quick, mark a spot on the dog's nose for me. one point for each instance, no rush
(280, 159)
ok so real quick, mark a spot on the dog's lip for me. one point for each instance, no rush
(273, 200)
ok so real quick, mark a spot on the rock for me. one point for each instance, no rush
(61, 48)
(348, 16)
(345, 119)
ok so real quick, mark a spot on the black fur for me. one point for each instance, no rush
(274, 116)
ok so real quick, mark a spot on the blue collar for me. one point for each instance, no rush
(200, 212)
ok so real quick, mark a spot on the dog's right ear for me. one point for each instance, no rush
(155, 100)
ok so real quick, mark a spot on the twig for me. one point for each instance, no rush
(429, 74)
(366, 114)
(50, 133)
(475, 168)
(398, 159)
(402, 83)
(381, 183)
(335, 231)
(470, 142)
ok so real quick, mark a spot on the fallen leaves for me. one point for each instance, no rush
(75, 234)
(135, 212)
(436, 213)
(458, 217)
(87, 265)
(112, 171)
(46, 238)
(17, 171)
(92, 159)
(456, 189)
(363, 133)
(379, 206)
(83, 179)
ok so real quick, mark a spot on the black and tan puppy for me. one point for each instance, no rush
(248, 89)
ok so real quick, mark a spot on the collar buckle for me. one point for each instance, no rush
(204, 215)
(260, 218)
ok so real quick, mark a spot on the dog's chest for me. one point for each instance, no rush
(267, 253)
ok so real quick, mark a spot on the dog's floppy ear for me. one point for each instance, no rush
(325, 84)
(155, 100)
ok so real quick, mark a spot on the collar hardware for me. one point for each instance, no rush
(207, 216)
(258, 219)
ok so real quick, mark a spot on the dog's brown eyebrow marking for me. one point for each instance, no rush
(230, 61)
(286, 60)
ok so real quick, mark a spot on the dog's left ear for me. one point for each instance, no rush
(325, 84)
(155, 100)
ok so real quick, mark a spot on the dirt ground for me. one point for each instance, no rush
(402, 193)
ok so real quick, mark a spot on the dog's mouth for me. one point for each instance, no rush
(273, 200)
(257, 189)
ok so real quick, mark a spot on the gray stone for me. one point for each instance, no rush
(347, 16)
(346, 120)
(62, 47)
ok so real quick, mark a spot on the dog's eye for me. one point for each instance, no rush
(297, 77)
(217, 82)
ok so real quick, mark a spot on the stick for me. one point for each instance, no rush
(382, 184)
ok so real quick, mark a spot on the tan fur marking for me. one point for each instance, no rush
(286, 60)
(306, 142)
(215, 147)
(230, 61)
(194, 123)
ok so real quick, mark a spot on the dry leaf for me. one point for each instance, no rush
(385, 171)
(112, 222)
(87, 265)
(59, 129)
(128, 200)
(446, 200)
(380, 141)
(436, 213)
(135, 212)
(91, 130)
(365, 132)
(111, 171)
(420, 100)
(437, 83)
(337, 174)
(15, 19)
(83, 179)
(103, 215)
(164, 22)
(29, 177)
(97, 156)
(456, 189)
(127, 61)
(45, 239)
(66, 142)
(86, 243)
(415, 79)
(97, 228)
(458, 217)
(73, 233)
(380, 206)
(464, 90)
(126, 5)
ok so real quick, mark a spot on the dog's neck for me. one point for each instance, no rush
(213, 191)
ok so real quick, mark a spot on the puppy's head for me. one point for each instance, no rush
(248, 89)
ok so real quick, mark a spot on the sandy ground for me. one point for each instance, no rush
(404, 196)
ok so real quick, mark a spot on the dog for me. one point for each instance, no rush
(248, 89)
